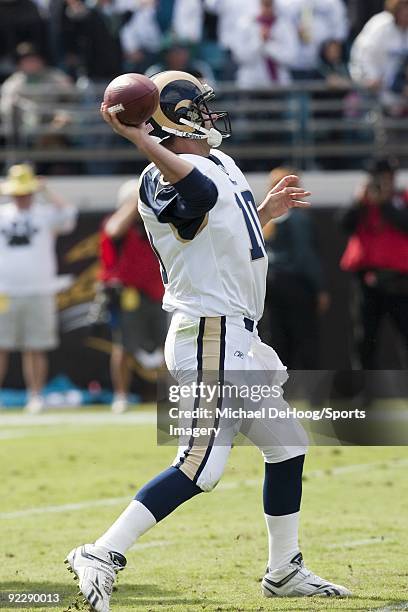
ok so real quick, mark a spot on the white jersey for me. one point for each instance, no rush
(217, 266)
(28, 263)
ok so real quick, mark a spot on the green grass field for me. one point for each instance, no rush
(65, 479)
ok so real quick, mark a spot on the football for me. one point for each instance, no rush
(132, 97)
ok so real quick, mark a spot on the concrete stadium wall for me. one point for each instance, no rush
(329, 189)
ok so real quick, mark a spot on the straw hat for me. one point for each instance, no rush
(20, 181)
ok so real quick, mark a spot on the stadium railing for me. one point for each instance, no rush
(305, 124)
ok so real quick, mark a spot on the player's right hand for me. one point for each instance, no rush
(136, 134)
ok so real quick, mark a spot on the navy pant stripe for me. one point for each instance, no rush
(199, 379)
(219, 402)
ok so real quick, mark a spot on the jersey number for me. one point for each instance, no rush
(245, 200)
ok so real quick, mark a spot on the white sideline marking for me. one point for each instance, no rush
(357, 543)
(401, 606)
(9, 434)
(113, 501)
(77, 419)
(13, 434)
(109, 501)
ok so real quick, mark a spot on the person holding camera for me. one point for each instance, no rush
(377, 253)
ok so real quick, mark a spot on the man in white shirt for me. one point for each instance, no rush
(145, 30)
(316, 21)
(229, 12)
(264, 47)
(381, 48)
(28, 280)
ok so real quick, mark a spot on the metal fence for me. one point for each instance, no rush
(305, 125)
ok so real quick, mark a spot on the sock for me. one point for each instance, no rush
(134, 521)
(282, 495)
(283, 539)
(153, 502)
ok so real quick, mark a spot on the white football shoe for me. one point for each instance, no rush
(35, 404)
(295, 580)
(120, 404)
(96, 570)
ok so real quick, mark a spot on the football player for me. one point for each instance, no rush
(206, 230)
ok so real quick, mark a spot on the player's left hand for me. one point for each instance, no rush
(285, 195)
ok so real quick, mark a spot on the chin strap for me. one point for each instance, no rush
(214, 137)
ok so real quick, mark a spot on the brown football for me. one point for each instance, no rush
(132, 97)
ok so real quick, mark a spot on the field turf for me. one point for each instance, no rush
(65, 478)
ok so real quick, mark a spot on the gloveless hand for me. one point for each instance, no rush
(285, 196)
(136, 134)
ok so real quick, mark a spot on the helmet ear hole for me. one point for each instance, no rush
(181, 113)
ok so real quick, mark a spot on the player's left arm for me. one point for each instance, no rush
(282, 198)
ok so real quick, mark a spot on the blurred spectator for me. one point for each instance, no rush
(28, 269)
(90, 37)
(43, 7)
(296, 293)
(142, 35)
(316, 21)
(22, 115)
(343, 101)
(396, 99)
(179, 55)
(377, 253)
(264, 47)
(360, 11)
(381, 49)
(20, 21)
(332, 66)
(133, 287)
(229, 12)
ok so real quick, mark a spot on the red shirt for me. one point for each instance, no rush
(377, 244)
(131, 262)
